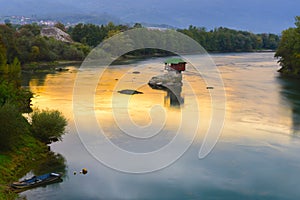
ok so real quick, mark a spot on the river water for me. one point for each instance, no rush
(257, 155)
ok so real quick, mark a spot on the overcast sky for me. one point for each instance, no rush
(253, 15)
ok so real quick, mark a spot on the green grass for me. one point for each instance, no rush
(4, 158)
(19, 161)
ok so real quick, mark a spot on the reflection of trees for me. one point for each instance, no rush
(52, 162)
(39, 77)
(290, 91)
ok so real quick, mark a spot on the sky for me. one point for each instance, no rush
(270, 16)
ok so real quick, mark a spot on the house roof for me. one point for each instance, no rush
(174, 61)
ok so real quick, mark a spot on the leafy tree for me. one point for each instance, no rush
(93, 35)
(29, 30)
(83, 48)
(35, 52)
(13, 124)
(137, 25)
(288, 51)
(3, 59)
(112, 33)
(9, 41)
(60, 26)
(48, 125)
(16, 96)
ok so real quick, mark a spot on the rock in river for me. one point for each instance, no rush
(167, 80)
(130, 92)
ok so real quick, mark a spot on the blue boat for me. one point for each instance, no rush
(36, 181)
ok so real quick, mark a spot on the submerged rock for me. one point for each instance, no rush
(130, 92)
(61, 69)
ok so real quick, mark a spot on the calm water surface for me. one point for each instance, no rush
(256, 157)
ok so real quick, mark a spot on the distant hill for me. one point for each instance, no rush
(253, 15)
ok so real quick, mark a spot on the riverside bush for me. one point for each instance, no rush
(48, 125)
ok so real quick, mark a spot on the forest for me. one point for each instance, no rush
(25, 44)
(229, 40)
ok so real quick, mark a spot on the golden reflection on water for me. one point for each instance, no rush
(54, 92)
(57, 89)
(140, 108)
(253, 107)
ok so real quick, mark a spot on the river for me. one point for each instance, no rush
(256, 155)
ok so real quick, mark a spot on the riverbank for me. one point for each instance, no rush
(48, 66)
(19, 161)
(52, 66)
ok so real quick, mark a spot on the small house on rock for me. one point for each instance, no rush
(176, 64)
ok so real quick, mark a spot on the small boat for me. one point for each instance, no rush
(36, 181)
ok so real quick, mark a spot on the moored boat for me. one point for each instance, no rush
(36, 181)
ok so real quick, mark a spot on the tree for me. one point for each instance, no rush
(112, 33)
(19, 97)
(8, 39)
(288, 51)
(13, 124)
(48, 125)
(35, 52)
(3, 59)
(137, 25)
(60, 26)
(30, 30)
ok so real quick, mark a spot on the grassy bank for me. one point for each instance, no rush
(16, 163)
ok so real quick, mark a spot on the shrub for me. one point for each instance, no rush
(19, 97)
(48, 125)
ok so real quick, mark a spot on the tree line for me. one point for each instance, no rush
(229, 40)
(26, 44)
(216, 40)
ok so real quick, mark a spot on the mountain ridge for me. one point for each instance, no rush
(255, 15)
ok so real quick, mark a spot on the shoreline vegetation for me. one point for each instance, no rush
(15, 163)
(288, 51)
(48, 67)
(23, 141)
(37, 46)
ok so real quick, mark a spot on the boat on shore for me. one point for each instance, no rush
(37, 181)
